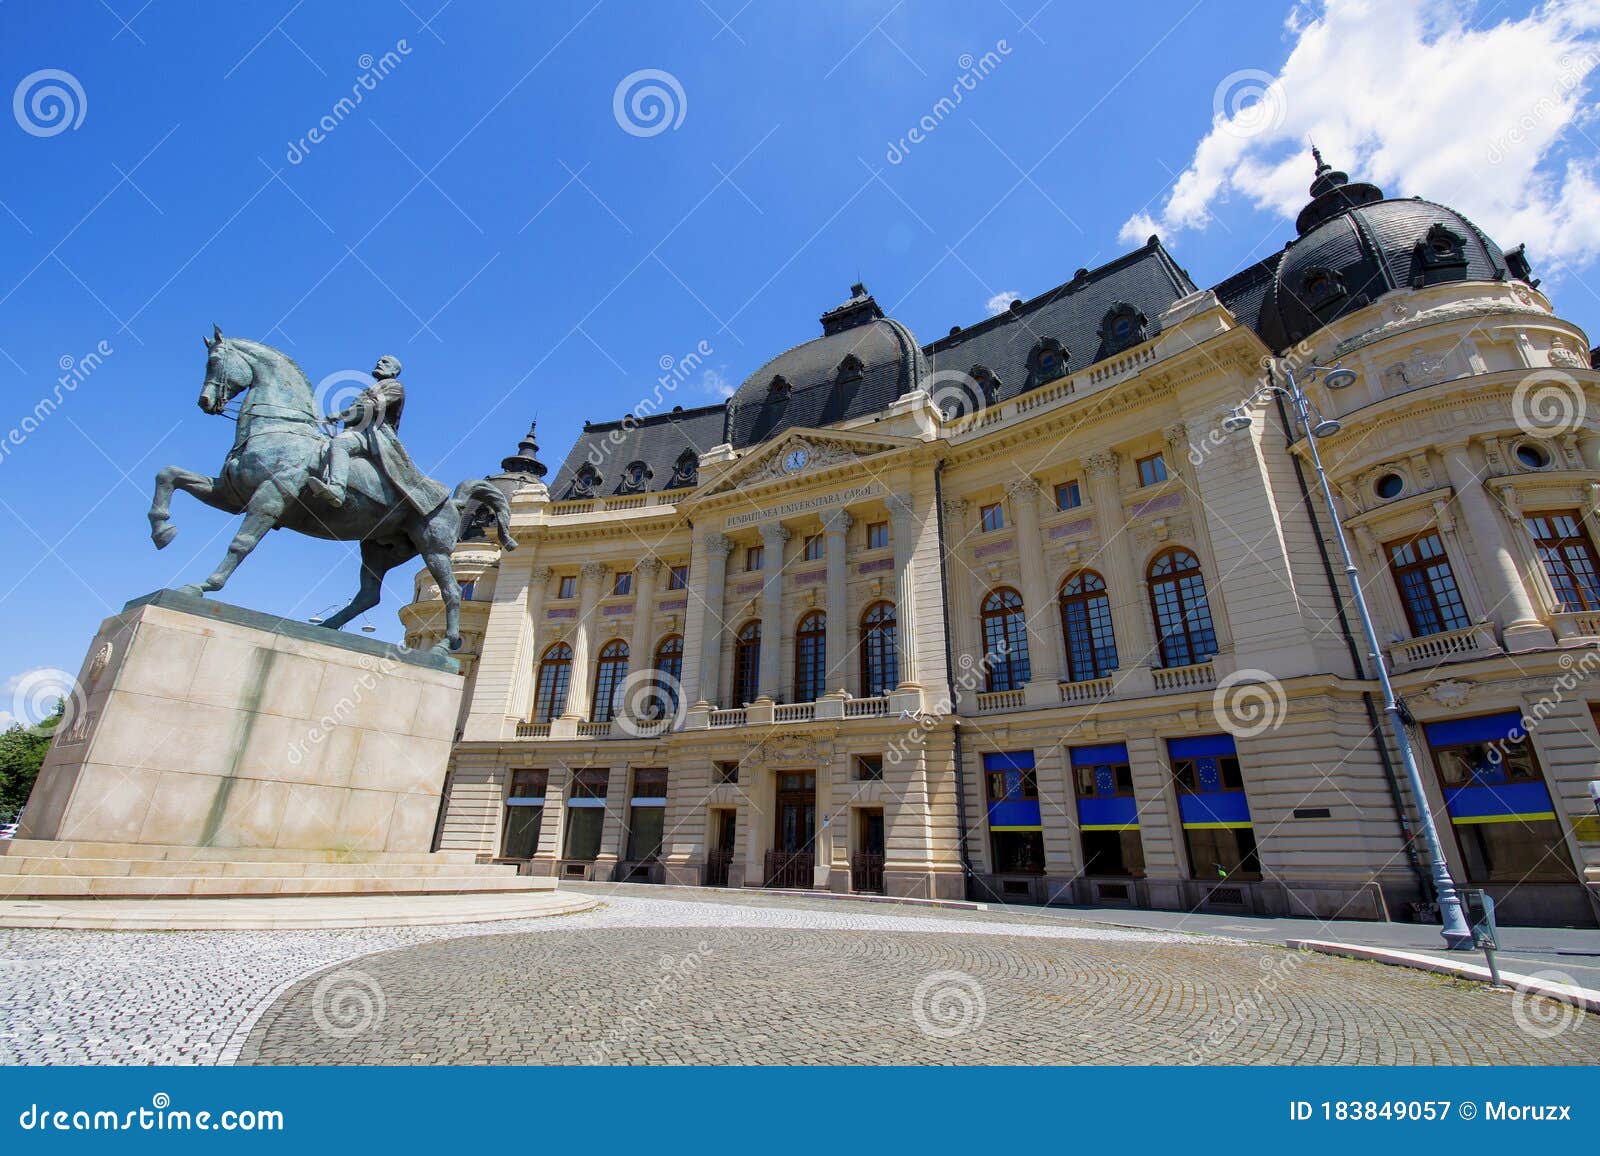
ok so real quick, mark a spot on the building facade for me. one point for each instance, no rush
(1010, 615)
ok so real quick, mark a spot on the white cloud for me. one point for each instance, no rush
(1419, 99)
(1000, 302)
(715, 384)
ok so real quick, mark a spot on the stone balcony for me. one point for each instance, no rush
(1579, 625)
(1475, 641)
(1139, 682)
(759, 713)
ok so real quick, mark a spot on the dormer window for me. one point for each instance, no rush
(1047, 361)
(587, 482)
(687, 469)
(987, 381)
(1441, 255)
(636, 477)
(850, 368)
(779, 388)
(1122, 327)
(1321, 287)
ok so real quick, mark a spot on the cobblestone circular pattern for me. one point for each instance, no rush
(764, 995)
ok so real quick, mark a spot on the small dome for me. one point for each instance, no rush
(1355, 245)
(862, 362)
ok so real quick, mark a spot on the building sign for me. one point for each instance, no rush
(806, 505)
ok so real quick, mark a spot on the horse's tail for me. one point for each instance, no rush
(480, 490)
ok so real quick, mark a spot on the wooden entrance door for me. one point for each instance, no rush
(791, 861)
(720, 855)
(866, 868)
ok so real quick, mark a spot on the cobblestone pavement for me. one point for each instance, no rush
(646, 980)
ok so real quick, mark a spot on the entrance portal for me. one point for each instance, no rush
(792, 860)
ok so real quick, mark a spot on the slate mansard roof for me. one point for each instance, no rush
(1354, 245)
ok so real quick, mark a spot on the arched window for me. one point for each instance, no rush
(555, 674)
(1005, 640)
(1086, 626)
(747, 663)
(810, 657)
(1182, 612)
(609, 672)
(880, 650)
(669, 677)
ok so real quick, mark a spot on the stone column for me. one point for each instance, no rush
(965, 647)
(502, 693)
(717, 547)
(641, 655)
(1508, 600)
(592, 575)
(773, 537)
(1044, 631)
(905, 530)
(834, 527)
(1125, 589)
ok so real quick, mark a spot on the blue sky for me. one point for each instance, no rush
(485, 215)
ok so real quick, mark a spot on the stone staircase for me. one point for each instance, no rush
(46, 869)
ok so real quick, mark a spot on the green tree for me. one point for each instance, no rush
(22, 751)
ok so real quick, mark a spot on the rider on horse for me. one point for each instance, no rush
(372, 430)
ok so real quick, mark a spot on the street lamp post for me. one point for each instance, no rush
(1457, 935)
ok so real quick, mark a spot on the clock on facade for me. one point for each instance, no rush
(795, 460)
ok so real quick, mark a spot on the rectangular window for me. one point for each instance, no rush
(726, 772)
(1569, 558)
(877, 535)
(1427, 585)
(1108, 817)
(567, 586)
(869, 768)
(1214, 809)
(1068, 496)
(1500, 809)
(1016, 834)
(813, 550)
(647, 811)
(586, 811)
(466, 591)
(1152, 469)
(754, 557)
(992, 517)
(524, 814)
(622, 583)
(679, 579)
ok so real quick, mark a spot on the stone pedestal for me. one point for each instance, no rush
(204, 725)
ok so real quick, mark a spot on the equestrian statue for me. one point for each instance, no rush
(356, 485)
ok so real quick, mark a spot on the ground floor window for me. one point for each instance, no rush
(586, 812)
(1108, 816)
(1217, 831)
(524, 814)
(1500, 808)
(1016, 835)
(647, 812)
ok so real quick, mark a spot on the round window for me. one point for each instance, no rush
(1533, 456)
(1389, 486)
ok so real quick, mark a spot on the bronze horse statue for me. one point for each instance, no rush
(279, 443)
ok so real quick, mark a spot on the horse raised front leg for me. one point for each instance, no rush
(438, 562)
(202, 486)
(263, 512)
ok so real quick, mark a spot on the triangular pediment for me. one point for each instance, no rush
(800, 453)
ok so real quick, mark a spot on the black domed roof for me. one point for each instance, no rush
(1355, 245)
(862, 362)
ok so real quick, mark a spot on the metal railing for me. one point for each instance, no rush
(795, 869)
